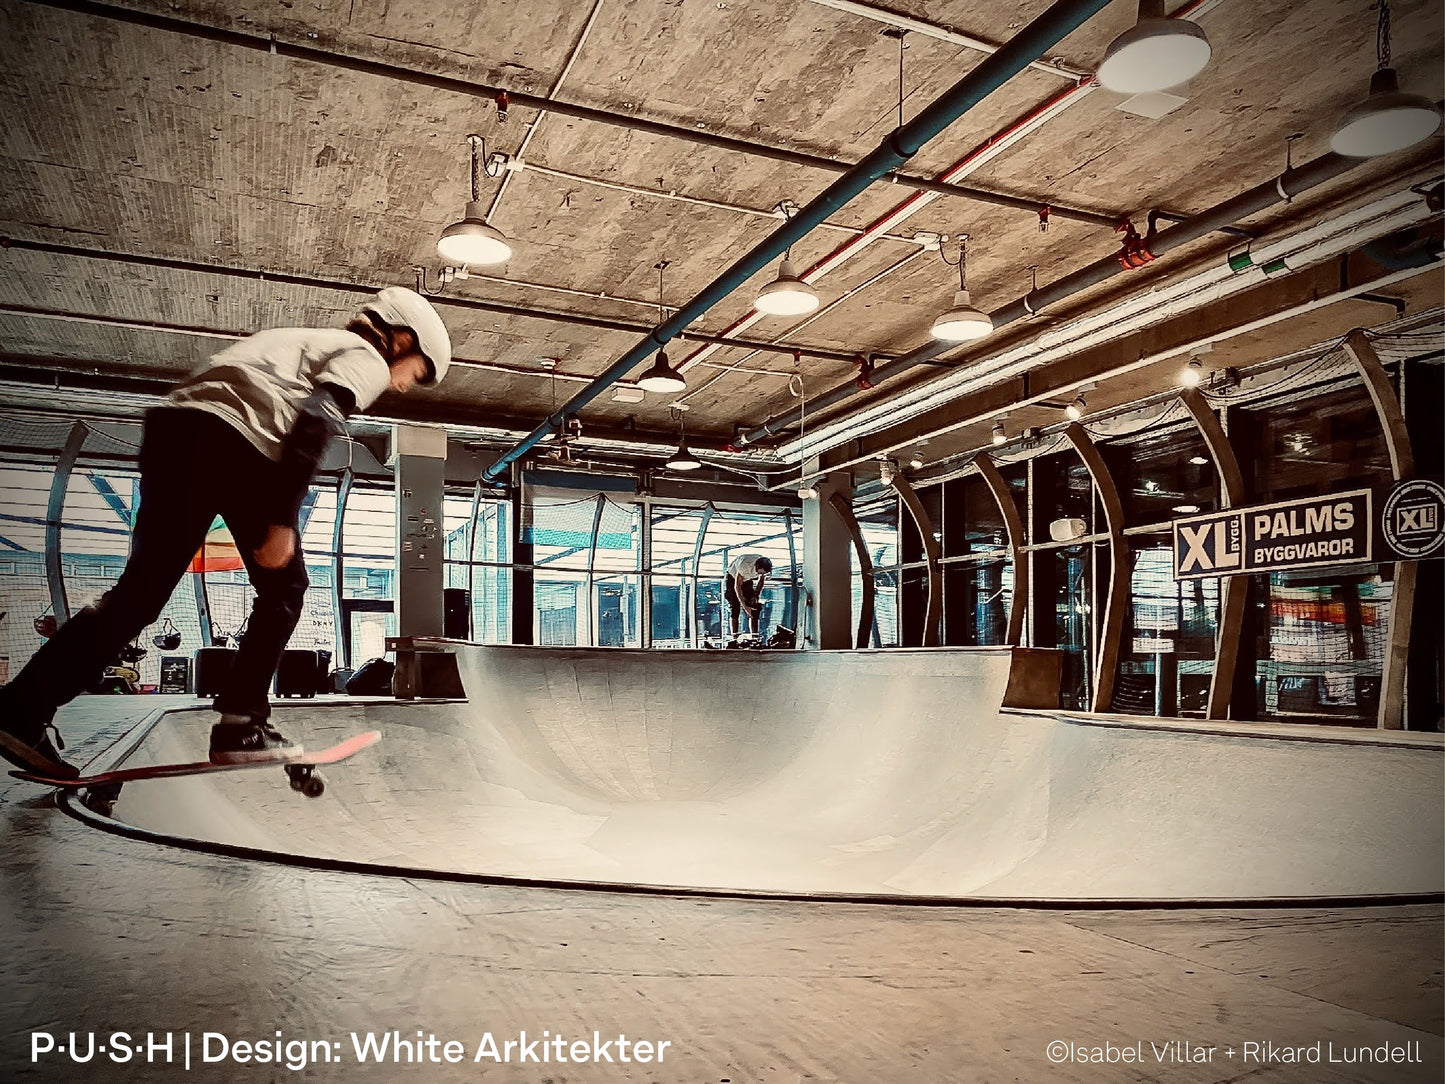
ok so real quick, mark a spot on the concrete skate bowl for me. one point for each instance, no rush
(896, 775)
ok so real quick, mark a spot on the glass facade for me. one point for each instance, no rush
(610, 568)
(1314, 640)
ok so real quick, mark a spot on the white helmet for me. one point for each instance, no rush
(396, 306)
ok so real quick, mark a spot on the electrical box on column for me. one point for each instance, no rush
(418, 456)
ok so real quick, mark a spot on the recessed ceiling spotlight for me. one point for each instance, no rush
(1186, 509)
(1192, 374)
(1199, 460)
(1076, 409)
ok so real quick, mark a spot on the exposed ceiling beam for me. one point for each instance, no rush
(311, 282)
(277, 46)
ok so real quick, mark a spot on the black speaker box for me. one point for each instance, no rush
(298, 674)
(213, 667)
(457, 613)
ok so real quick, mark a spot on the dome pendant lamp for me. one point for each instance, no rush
(661, 376)
(788, 294)
(1388, 120)
(1155, 54)
(962, 322)
(682, 459)
(472, 242)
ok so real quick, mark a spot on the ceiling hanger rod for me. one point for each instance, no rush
(1031, 42)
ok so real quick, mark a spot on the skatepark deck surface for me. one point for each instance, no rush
(891, 774)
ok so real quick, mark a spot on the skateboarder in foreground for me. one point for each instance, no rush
(241, 437)
(747, 573)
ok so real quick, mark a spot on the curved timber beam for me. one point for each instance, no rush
(844, 511)
(55, 516)
(692, 620)
(930, 550)
(1391, 715)
(590, 600)
(1013, 523)
(1233, 590)
(473, 522)
(343, 634)
(1107, 664)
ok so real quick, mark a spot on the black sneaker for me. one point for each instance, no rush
(249, 741)
(34, 752)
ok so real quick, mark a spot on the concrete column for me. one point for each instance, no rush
(418, 456)
(826, 619)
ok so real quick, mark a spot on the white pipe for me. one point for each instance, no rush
(572, 56)
(943, 33)
(1150, 359)
(1137, 311)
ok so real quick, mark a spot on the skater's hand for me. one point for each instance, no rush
(278, 549)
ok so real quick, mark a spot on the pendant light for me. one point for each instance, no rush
(962, 322)
(1388, 120)
(806, 490)
(661, 376)
(682, 459)
(788, 294)
(1155, 54)
(472, 242)
(999, 435)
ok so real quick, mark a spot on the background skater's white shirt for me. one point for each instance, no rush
(745, 565)
(259, 384)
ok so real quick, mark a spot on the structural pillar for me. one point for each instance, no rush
(418, 459)
(826, 617)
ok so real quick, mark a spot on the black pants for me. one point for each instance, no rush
(193, 467)
(737, 605)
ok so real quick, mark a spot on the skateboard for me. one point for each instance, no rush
(103, 789)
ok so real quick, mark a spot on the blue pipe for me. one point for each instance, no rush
(1028, 45)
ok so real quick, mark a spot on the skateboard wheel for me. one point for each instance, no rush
(100, 799)
(313, 787)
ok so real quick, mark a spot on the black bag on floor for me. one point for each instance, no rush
(372, 678)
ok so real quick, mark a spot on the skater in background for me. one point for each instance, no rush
(240, 438)
(747, 573)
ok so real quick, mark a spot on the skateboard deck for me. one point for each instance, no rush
(298, 768)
